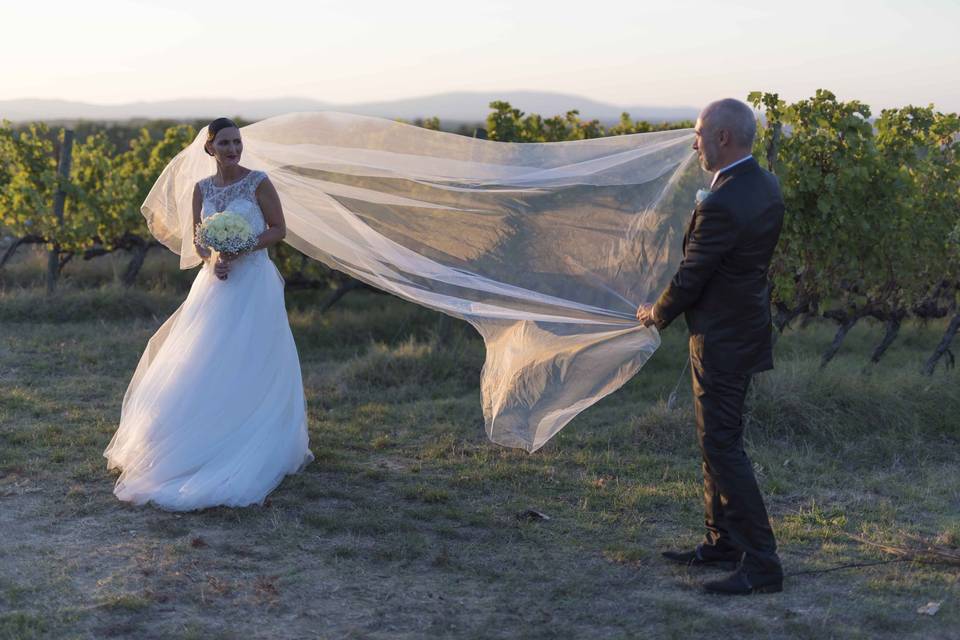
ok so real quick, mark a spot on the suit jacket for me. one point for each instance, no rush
(722, 283)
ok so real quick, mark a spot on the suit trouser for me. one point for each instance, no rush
(734, 513)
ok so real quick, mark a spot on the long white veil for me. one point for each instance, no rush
(547, 249)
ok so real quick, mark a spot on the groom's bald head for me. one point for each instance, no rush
(725, 132)
(733, 116)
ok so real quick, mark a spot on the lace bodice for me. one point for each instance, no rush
(239, 197)
(236, 196)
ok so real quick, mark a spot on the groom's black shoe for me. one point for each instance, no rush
(742, 582)
(703, 557)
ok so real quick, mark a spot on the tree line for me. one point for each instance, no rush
(873, 203)
(872, 228)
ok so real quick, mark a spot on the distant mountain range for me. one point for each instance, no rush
(449, 107)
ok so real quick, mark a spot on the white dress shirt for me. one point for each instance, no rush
(729, 166)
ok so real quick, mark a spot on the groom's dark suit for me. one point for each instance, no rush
(721, 287)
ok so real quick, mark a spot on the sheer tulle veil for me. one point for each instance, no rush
(546, 249)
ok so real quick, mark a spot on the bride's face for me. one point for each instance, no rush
(227, 146)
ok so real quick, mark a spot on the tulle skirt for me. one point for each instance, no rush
(215, 413)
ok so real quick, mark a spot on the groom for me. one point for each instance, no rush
(721, 287)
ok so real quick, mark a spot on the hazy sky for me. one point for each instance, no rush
(684, 52)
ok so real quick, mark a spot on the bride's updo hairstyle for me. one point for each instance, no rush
(216, 127)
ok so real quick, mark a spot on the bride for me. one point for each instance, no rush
(215, 412)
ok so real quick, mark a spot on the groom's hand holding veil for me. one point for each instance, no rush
(645, 315)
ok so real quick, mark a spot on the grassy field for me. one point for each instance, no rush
(406, 525)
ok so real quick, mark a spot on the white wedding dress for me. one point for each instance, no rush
(215, 413)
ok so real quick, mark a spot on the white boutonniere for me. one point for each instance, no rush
(702, 195)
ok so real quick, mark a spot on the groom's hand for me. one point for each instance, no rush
(645, 314)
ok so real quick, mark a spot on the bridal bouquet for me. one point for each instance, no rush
(226, 232)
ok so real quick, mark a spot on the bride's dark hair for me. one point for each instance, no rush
(216, 127)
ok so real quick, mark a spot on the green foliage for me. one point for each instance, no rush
(429, 123)
(921, 148)
(627, 126)
(135, 172)
(870, 205)
(873, 206)
(99, 192)
(508, 124)
(104, 189)
(827, 169)
(28, 181)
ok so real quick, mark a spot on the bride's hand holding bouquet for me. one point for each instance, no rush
(227, 233)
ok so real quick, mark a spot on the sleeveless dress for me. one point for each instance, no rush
(215, 413)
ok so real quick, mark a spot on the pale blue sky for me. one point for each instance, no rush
(627, 53)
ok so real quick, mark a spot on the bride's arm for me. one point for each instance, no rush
(269, 202)
(202, 251)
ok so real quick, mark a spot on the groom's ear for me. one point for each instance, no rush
(723, 137)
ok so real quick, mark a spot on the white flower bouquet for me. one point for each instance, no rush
(226, 232)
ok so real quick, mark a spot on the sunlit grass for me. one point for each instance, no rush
(410, 523)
